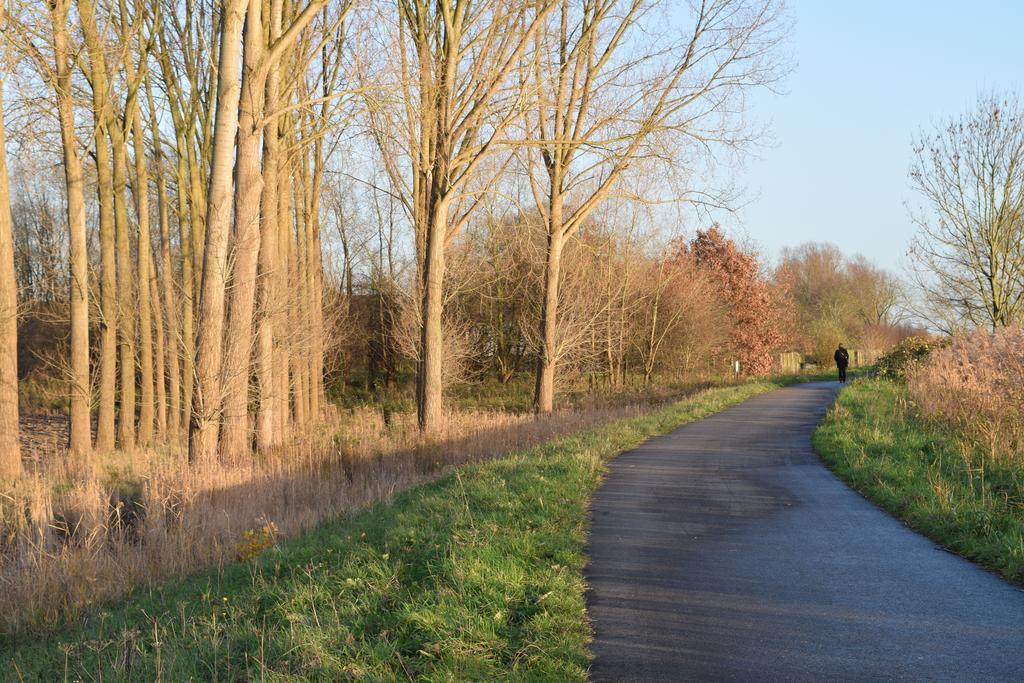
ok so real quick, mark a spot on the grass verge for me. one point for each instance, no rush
(940, 485)
(477, 576)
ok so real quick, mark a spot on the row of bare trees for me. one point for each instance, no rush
(567, 95)
(191, 198)
(198, 138)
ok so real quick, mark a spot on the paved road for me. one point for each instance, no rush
(727, 551)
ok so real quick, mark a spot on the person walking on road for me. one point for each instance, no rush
(842, 357)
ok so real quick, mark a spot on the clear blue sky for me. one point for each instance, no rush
(868, 75)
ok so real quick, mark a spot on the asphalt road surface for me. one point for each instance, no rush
(727, 551)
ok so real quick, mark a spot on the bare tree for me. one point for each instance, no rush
(206, 404)
(172, 409)
(108, 309)
(227, 394)
(969, 250)
(269, 67)
(879, 294)
(268, 416)
(672, 296)
(606, 95)
(144, 254)
(454, 104)
(10, 455)
(183, 50)
(80, 438)
(57, 74)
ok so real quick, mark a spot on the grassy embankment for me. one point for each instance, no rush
(940, 484)
(477, 575)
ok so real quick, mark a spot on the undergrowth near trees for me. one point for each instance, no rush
(975, 386)
(73, 533)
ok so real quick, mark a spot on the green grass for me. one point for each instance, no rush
(475, 576)
(926, 476)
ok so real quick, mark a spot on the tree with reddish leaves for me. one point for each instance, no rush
(757, 312)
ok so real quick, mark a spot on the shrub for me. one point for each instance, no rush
(976, 387)
(255, 541)
(898, 361)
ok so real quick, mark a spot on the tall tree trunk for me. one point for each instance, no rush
(283, 288)
(300, 338)
(172, 359)
(268, 263)
(10, 454)
(159, 351)
(186, 227)
(319, 392)
(144, 251)
(234, 438)
(80, 439)
(105, 427)
(206, 405)
(105, 432)
(431, 384)
(544, 389)
(125, 289)
(314, 265)
(265, 415)
(198, 209)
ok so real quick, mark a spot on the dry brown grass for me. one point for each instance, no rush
(73, 534)
(976, 386)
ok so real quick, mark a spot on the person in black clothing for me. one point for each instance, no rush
(842, 357)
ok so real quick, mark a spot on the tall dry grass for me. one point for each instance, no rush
(976, 386)
(73, 534)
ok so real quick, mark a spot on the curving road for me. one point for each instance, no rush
(727, 551)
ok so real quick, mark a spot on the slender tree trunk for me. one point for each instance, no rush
(265, 415)
(319, 392)
(10, 454)
(144, 251)
(234, 439)
(268, 403)
(105, 432)
(203, 428)
(652, 342)
(282, 287)
(313, 281)
(188, 338)
(159, 351)
(80, 440)
(544, 389)
(125, 289)
(300, 324)
(431, 403)
(171, 353)
(105, 428)
(198, 209)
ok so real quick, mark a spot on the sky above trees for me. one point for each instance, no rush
(866, 77)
